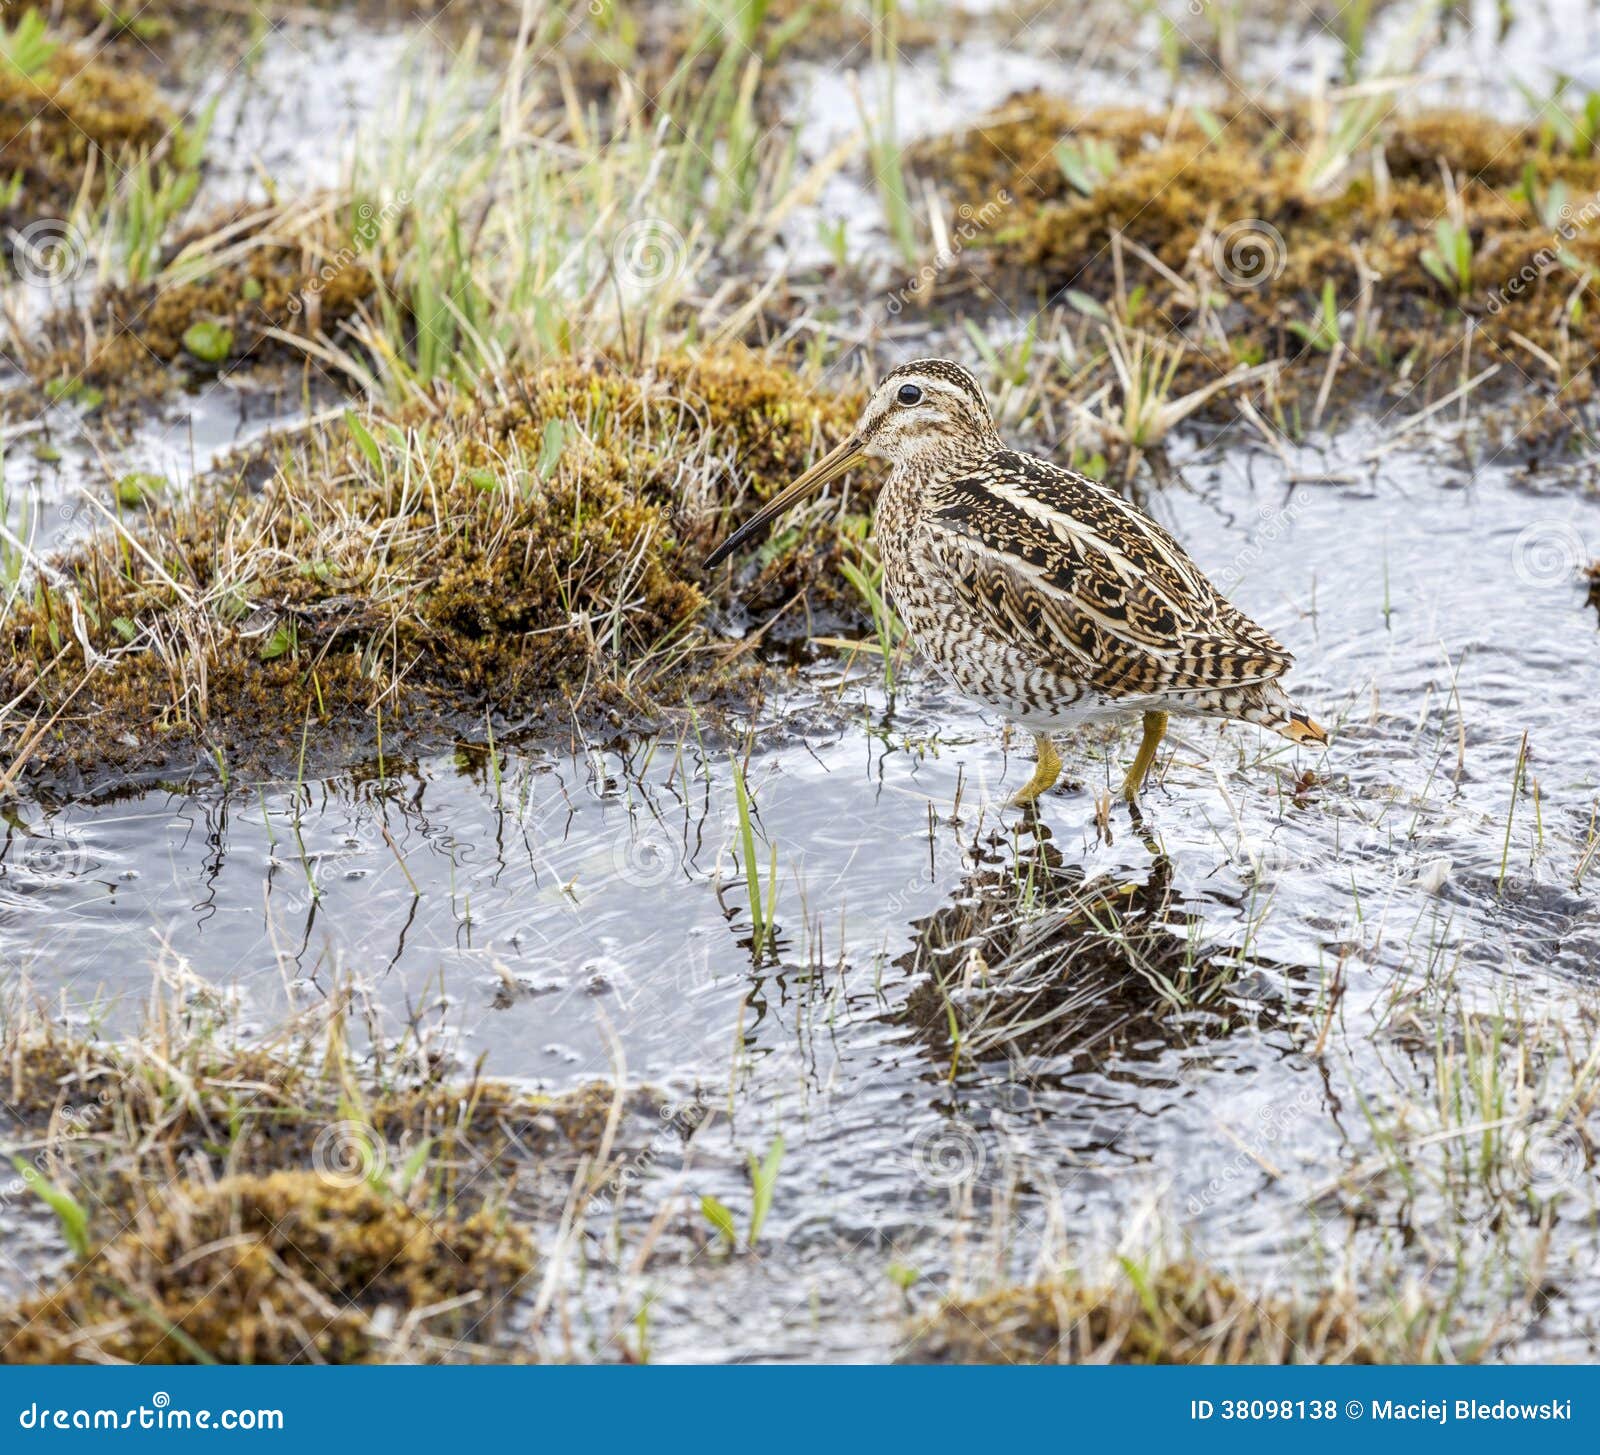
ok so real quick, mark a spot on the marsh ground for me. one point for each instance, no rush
(366, 705)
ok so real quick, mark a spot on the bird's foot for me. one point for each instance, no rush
(1155, 727)
(1046, 769)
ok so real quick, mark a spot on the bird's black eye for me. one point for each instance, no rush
(909, 394)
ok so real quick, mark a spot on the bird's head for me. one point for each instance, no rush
(923, 413)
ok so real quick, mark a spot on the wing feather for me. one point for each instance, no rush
(1069, 573)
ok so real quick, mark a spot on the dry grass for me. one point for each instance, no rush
(1173, 1313)
(297, 1200)
(1355, 197)
(65, 130)
(531, 551)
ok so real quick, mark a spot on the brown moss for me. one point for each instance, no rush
(297, 272)
(280, 1269)
(503, 1121)
(400, 1190)
(74, 115)
(1173, 188)
(38, 1080)
(508, 554)
(1182, 1313)
(250, 1110)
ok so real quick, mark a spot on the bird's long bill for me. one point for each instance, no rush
(829, 467)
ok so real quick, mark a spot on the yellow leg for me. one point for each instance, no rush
(1155, 727)
(1046, 769)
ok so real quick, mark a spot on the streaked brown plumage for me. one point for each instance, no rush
(1038, 591)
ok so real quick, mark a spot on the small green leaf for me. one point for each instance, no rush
(902, 1276)
(124, 628)
(413, 1165)
(1090, 307)
(555, 439)
(764, 1182)
(719, 1217)
(277, 644)
(252, 291)
(68, 1210)
(46, 454)
(67, 391)
(363, 438)
(138, 489)
(1209, 122)
(209, 342)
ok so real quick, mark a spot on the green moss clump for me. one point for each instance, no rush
(282, 1269)
(71, 116)
(524, 551)
(1182, 1313)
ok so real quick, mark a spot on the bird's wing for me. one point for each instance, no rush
(1071, 574)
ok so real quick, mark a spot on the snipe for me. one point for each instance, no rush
(1037, 591)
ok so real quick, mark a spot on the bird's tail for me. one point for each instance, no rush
(1302, 729)
(1272, 708)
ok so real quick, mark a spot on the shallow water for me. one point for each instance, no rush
(572, 911)
(48, 503)
(582, 912)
